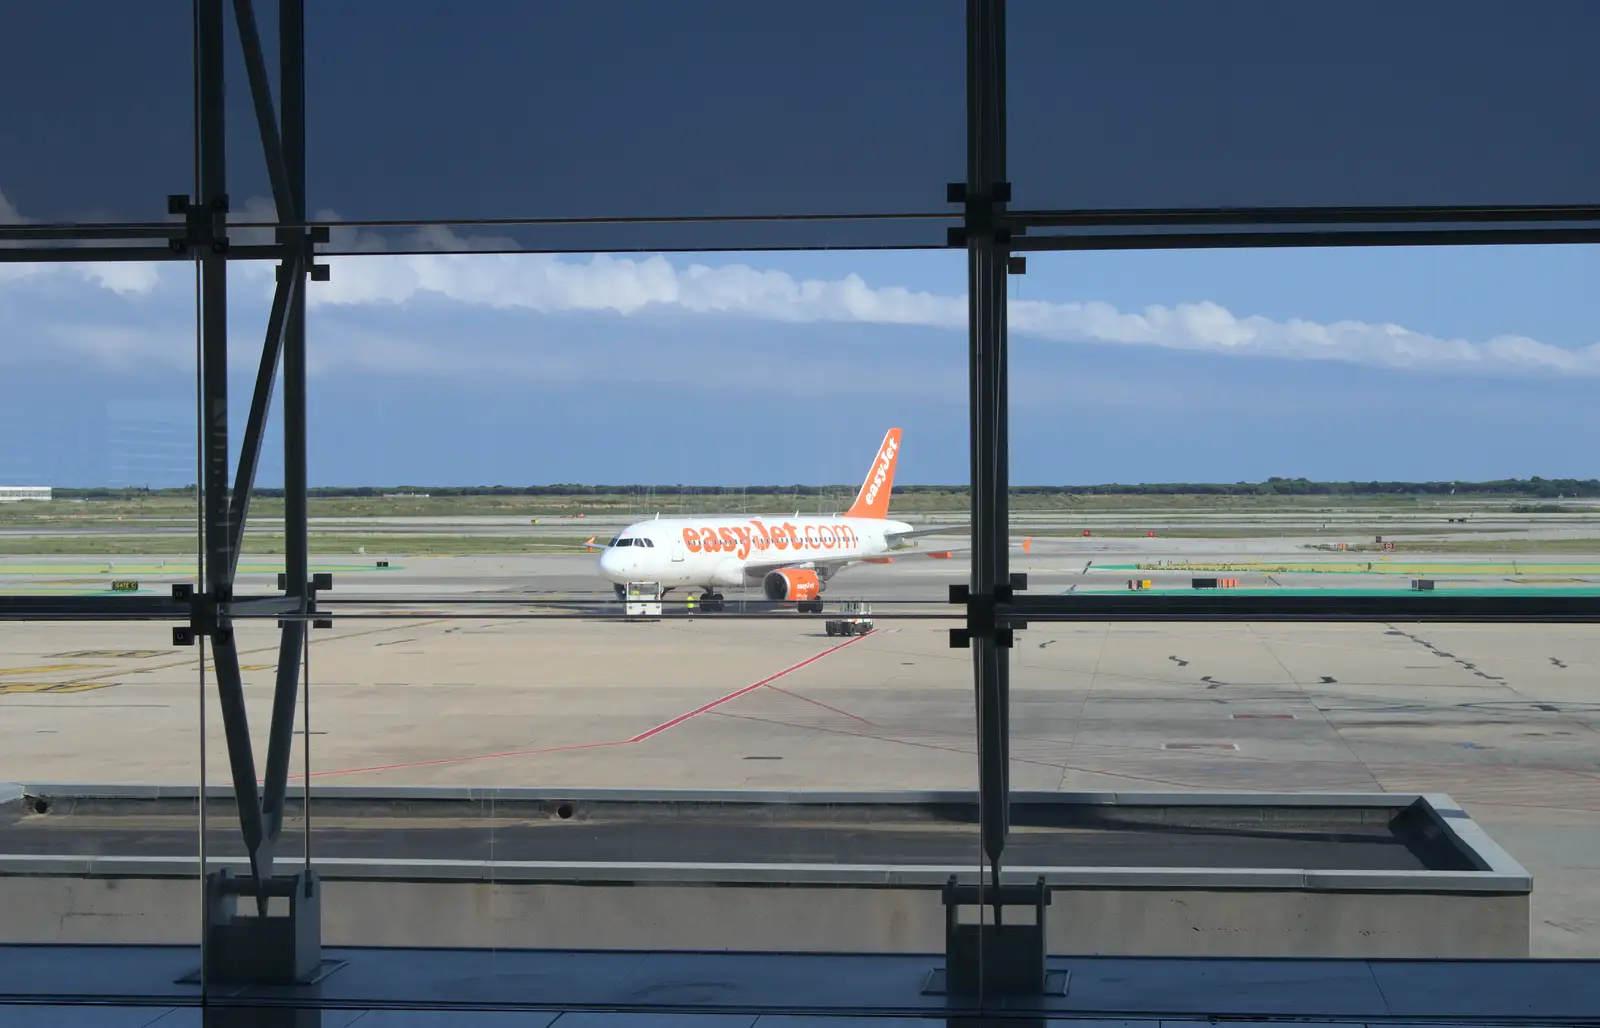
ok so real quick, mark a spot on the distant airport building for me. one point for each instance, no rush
(13, 493)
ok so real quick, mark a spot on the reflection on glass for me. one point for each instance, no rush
(110, 133)
(1259, 433)
(882, 99)
(98, 732)
(1210, 139)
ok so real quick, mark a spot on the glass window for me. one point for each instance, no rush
(1255, 103)
(1340, 424)
(574, 685)
(98, 506)
(97, 111)
(719, 108)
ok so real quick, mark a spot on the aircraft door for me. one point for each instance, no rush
(677, 552)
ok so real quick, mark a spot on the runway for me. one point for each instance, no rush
(542, 683)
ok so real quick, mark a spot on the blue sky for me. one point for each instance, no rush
(738, 368)
(1434, 363)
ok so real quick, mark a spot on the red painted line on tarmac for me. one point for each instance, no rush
(819, 703)
(641, 737)
(681, 718)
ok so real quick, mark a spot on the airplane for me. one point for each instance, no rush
(792, 557)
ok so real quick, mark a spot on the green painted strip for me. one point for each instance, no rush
(171, 569)
(1453, 589)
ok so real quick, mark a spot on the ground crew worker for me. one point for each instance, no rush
(689, 603)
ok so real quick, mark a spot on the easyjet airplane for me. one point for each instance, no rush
(792, 557)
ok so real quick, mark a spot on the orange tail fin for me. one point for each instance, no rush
(873, 499)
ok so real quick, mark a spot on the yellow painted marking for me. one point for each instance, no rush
(124, 654)
(47, 669)
(78, 686)
(143, 566)
(57, 687)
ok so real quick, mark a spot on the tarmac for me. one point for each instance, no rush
(540, 682)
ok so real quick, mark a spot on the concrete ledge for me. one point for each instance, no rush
(1445, 890)
(792, 876)
(760, 797)
(732, 918)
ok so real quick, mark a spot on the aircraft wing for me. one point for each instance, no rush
(894, 537)
(758, 569)
(902, 553)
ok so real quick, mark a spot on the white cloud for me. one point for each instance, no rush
(636, 286)
(124, 279)
(644, 286)
(8, 213)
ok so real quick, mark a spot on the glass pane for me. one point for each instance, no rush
(249, 187)
(98, 361)
(98, 110)
(569, 719)
(1263, 425)
(1249, 103)
(98, 722)
(821, 234)
(721, 109)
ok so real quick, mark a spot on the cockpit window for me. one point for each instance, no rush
(624, 540)
(646, 542)
(613, 541)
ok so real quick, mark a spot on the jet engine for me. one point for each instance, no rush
(792, 584)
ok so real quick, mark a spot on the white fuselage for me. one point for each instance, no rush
(733, 551)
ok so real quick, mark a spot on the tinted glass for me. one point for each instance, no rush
(635, 237)
(511, 110)
(96, 110)
(1254, 103)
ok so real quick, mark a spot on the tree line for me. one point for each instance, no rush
(1543, 488)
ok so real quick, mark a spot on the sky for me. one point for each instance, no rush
(781, 367)
(757, 368)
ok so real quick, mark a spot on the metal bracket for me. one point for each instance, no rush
(204, 228)
(318, 272)
(983, 616)
(321, 581)
(206, 614)
(983, 218)
(264, 949)
(306, 242)
(996, 959)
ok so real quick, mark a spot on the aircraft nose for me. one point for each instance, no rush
(611, 563)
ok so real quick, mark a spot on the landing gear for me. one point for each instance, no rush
(711, 602)
(809, 606)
